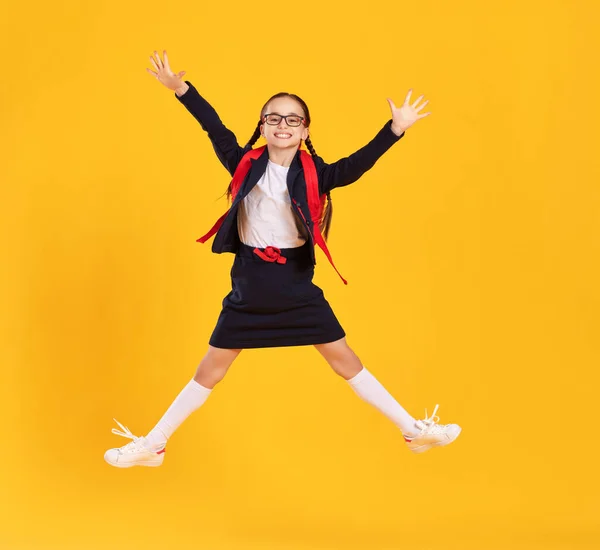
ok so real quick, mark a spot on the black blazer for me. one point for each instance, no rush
(343, 172)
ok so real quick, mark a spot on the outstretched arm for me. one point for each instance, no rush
(223, 140)
(349, 169)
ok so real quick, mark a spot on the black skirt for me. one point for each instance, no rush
(273, 304)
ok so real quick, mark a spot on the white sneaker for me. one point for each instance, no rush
(134, 453)
(432, 434)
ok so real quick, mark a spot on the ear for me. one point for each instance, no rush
(305, 134)
(261, 130)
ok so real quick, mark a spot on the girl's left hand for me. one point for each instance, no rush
(405, 116)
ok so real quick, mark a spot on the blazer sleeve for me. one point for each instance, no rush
(349, 169)
(223, 140)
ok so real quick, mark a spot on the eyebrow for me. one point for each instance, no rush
(276, 113)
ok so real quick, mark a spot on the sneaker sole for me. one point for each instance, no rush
(424, 448)
(132, 464)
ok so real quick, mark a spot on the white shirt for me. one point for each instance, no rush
(265, 216)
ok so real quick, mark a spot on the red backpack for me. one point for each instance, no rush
(316, 203)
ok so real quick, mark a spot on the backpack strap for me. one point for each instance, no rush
(243, 168)
(316, 204)
(238, 178)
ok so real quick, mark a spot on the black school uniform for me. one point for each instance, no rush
(275, 303)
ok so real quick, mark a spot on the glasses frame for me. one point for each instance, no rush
(284, 117)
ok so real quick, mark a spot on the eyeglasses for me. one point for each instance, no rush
(273, 119)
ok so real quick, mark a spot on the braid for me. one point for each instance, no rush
(250, 143)
(325, 223)
(255, 136)
(327, 216)
(310, 147)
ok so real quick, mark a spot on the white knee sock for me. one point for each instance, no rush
(369, 389)
(191, 398)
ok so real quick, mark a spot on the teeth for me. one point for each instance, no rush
(283, 135)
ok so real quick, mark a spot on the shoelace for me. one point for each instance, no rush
(429, 425)
(127, 433)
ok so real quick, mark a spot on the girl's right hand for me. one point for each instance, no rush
(164, 74)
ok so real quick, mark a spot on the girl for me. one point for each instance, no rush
(272, 230)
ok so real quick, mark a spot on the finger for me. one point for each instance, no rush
(166, 58)
(152, 72)
(408, 97)
(418, 99)
(154, 63)
(423, 115)
(158, 60)
(392, 106)
(421, 106)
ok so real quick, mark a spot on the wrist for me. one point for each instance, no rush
(398, 131)
(182, 89)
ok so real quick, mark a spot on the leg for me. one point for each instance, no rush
(210, 372)
(214, 366)
(347, 364)
(341, 358)
(149, 450)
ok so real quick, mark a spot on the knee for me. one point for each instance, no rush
(336, 352)
(346, 368)
(341, 359)
(209, 374)
(214, 366)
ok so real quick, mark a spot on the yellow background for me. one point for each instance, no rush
(471, 251)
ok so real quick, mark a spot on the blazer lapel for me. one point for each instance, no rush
(293, 173)
(259, 166)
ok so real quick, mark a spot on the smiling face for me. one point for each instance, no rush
(282, 135)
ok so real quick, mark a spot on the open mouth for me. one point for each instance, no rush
(283, 135)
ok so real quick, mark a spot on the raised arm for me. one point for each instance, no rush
(223, 140)
(349, 169)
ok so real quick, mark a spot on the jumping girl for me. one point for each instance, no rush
(277, 217)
